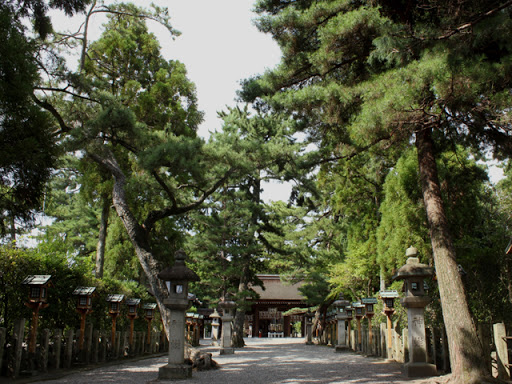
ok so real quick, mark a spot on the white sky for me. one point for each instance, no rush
(219, 45)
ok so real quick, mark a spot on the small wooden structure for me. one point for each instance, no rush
(388, 297)
(369, 303)
(83, 307)
(132, 305)
(37, 300)
(114, 311)
(149, 313)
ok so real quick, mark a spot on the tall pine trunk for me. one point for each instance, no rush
(238, 324)
(466, 351)
(102, 236)
(137, 234)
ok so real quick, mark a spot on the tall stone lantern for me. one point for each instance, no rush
(349, 316)
(413, 273)
(308, 316)
(215, 326)
(228, 313)
(176, 279)
(341, 317)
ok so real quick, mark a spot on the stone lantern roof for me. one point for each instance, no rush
(179, 271)
(341, 302)
(413, 267)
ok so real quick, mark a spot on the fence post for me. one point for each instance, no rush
(383, 341)
(500, 334)
(19, 332)
(3, 335)
(88, 343)
(484, 333)
(57, 342)
(95, 346)
(68, 353)
(44, 349)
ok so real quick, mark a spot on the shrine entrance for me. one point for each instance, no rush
(268, 315)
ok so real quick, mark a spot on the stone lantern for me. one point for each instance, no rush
(388, 297)
(369, 303)
(341, 316)
(149, 313)
(83, 307)
(349, 316)
(114, 311)
(37, 300)
(413, 273)
(359, 314)
(228, 312)
(215, 326)
(177, 279)
(308, 316)
(132, 305)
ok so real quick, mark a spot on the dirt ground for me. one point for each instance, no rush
(262, 361)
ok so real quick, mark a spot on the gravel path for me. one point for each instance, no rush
(262, 361)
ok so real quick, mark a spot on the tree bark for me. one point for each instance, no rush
(102, 236)
(466, 351)
(136, 233)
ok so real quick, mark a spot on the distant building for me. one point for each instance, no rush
(266, 317)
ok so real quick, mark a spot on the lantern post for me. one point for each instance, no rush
(84, 308)
(37, 300)
(149, 313)
(132, 305)
(413, 273)
(114, 311)
(369, 303)
(388, 297)
(177, 279)
(359, 314)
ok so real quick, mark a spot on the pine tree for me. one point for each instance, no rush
(363, 75)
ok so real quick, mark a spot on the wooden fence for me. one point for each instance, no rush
(496, 341)
(60, 350)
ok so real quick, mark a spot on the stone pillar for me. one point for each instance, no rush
(226, 346)
(176, 367)
(19, 332)
(309, 328)
(501, 351)
(177, 279)
(341, 345)
(57, 345)
(44, 349)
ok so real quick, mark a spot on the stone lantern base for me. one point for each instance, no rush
(175, 371)
(341, 348)
(420, 369)
(227, 351)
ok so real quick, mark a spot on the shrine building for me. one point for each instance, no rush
(266, 317)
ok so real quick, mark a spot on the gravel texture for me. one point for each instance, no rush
(262, 361)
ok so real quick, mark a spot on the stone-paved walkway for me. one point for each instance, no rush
(262, 361)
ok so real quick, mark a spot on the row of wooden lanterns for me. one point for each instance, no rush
(38, 297)
(415, 300)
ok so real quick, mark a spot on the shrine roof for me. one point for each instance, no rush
(275, 289)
